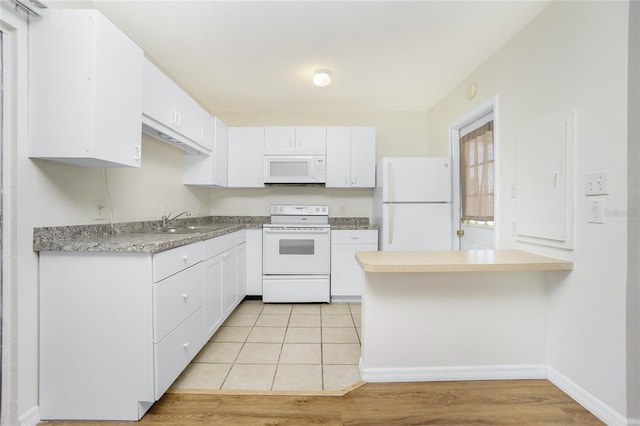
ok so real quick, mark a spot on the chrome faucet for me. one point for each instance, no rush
(167, 218)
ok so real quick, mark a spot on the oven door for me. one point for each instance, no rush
(296, 251)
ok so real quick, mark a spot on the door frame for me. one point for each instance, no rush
(490, 105)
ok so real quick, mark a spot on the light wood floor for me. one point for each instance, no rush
(514, 402)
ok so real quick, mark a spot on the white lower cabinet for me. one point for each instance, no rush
(213, 310)
(254, 262)
(346, 274)
(224, 283)
(116, 329)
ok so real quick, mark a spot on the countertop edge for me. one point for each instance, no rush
(459, 261)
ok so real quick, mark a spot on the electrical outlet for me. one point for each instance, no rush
(100, 208)
(596, 184)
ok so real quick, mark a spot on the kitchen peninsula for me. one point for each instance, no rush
(455, 315)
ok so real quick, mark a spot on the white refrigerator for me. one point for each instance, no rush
(412, 203)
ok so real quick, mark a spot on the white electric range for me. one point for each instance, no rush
(296, 253)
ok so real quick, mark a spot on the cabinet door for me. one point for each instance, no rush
(85, 90)
(363, 157)
(241, 277)
(338, 157)
(202, 125)
(254, 262)
(246, 157)
(229, 280)
(213, 310)
(209, 170)
(220, 154)
(346, 274)
(311, 140)
(279, 140)
(161, 98)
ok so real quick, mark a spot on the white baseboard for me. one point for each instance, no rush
(432, 374)
(588, 400)
(31, 417)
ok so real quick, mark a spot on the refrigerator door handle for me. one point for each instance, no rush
(390, 181)
(390, 186)
(390, 227)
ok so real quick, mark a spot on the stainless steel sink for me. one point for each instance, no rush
(192, 229)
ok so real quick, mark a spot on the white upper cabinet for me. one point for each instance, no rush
(351, 155)
(171, 115)
(210, 170)
(85, 90)
(246, 153)
(302, 140)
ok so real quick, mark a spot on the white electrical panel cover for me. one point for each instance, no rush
(544, 181)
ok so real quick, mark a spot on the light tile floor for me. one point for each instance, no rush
(284, 347)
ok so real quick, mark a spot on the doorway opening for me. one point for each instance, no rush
(473, 145)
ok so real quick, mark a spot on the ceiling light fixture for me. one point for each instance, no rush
(321, 78)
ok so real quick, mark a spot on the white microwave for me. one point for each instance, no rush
(294, 169)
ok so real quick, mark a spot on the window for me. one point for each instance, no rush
(476, 175)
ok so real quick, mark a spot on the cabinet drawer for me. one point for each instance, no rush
(175, 298)
(176, 351)
(217, 245)
(175, 260)
(364, 236)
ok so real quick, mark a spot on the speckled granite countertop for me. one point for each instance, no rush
(351, 223)
(142, 237)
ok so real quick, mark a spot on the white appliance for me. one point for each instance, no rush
(308, 169)
(296, 255)
(412, 203)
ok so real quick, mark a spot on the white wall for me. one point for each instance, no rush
(574, 55)
(69, 194)
(397, 134)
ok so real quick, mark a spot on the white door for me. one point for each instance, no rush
(424, 226)
(470, 235)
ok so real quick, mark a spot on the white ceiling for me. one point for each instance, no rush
(260, 55)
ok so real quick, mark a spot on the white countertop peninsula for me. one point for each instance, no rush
(455, 315)
(458, 261)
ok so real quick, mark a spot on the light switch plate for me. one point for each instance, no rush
(596, 211)
(596, 184)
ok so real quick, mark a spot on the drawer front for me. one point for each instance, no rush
(364, 236)
(176, 351)
(175, 260)
(175, 298)
(215, 246)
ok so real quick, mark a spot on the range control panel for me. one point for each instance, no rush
(294, 210)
